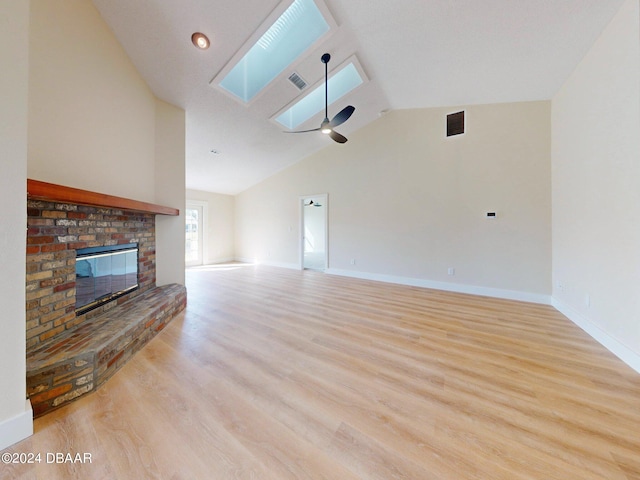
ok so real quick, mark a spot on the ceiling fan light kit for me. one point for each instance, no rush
(327, 126)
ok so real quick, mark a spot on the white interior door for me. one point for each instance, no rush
(314, 248)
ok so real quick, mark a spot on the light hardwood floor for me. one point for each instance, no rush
(279, 374)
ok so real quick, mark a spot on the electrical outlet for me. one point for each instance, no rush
(451, 271)
(587, 300)
(353, 261)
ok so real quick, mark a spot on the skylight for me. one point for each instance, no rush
(341, 83)
(299, 27)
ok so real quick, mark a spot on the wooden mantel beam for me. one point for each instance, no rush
(38, 190)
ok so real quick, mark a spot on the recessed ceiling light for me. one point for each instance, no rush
(200, 40)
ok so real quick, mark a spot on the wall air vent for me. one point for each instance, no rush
(298, 81)
(455, 124)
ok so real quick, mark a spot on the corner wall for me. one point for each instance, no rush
(406, 203)
(94, 123)
(596, 193)
(16, 419)
(170, 190)
(91, 115)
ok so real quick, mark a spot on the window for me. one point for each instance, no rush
(339, 84)
(300, 26)
(195, 218)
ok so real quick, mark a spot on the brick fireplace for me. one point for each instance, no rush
(55, 232)
(70, 353)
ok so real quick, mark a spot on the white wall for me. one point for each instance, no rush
(170, 190)
(406, 203)
(596, 189)
(220, 230)
(91, 116)
(94, 123)
(16, 421)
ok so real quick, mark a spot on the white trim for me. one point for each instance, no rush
(624, 353)
(262, 29)
(16, 429)
(612, 344)
(203, 236)
(450, 287)
(216, 261)
(255, 261)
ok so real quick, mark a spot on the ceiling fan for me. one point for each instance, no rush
(327, 126)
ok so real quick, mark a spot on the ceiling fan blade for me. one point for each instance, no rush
(337, 137)
(304, 131)
(342, 116)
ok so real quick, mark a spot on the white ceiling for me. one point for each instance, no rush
(416, 53)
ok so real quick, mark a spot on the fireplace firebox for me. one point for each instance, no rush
(104, 274)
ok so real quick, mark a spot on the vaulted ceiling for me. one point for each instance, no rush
(416, 54)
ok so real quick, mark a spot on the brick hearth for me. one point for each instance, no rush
(55, 231)
(81, 359)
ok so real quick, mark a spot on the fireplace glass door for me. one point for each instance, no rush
(104, 273)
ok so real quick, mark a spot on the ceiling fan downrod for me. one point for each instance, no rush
(327, 126)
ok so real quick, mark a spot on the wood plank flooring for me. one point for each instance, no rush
(279, 374)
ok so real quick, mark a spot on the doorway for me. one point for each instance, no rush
(195, 219)
(314, 249)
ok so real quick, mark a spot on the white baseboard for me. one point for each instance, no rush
(449, 287)
(16, 429)
(216, 261)
(612, 344)
(292, 266)
(620, 350)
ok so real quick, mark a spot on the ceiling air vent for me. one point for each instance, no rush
(455, 124)
(297, 81)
